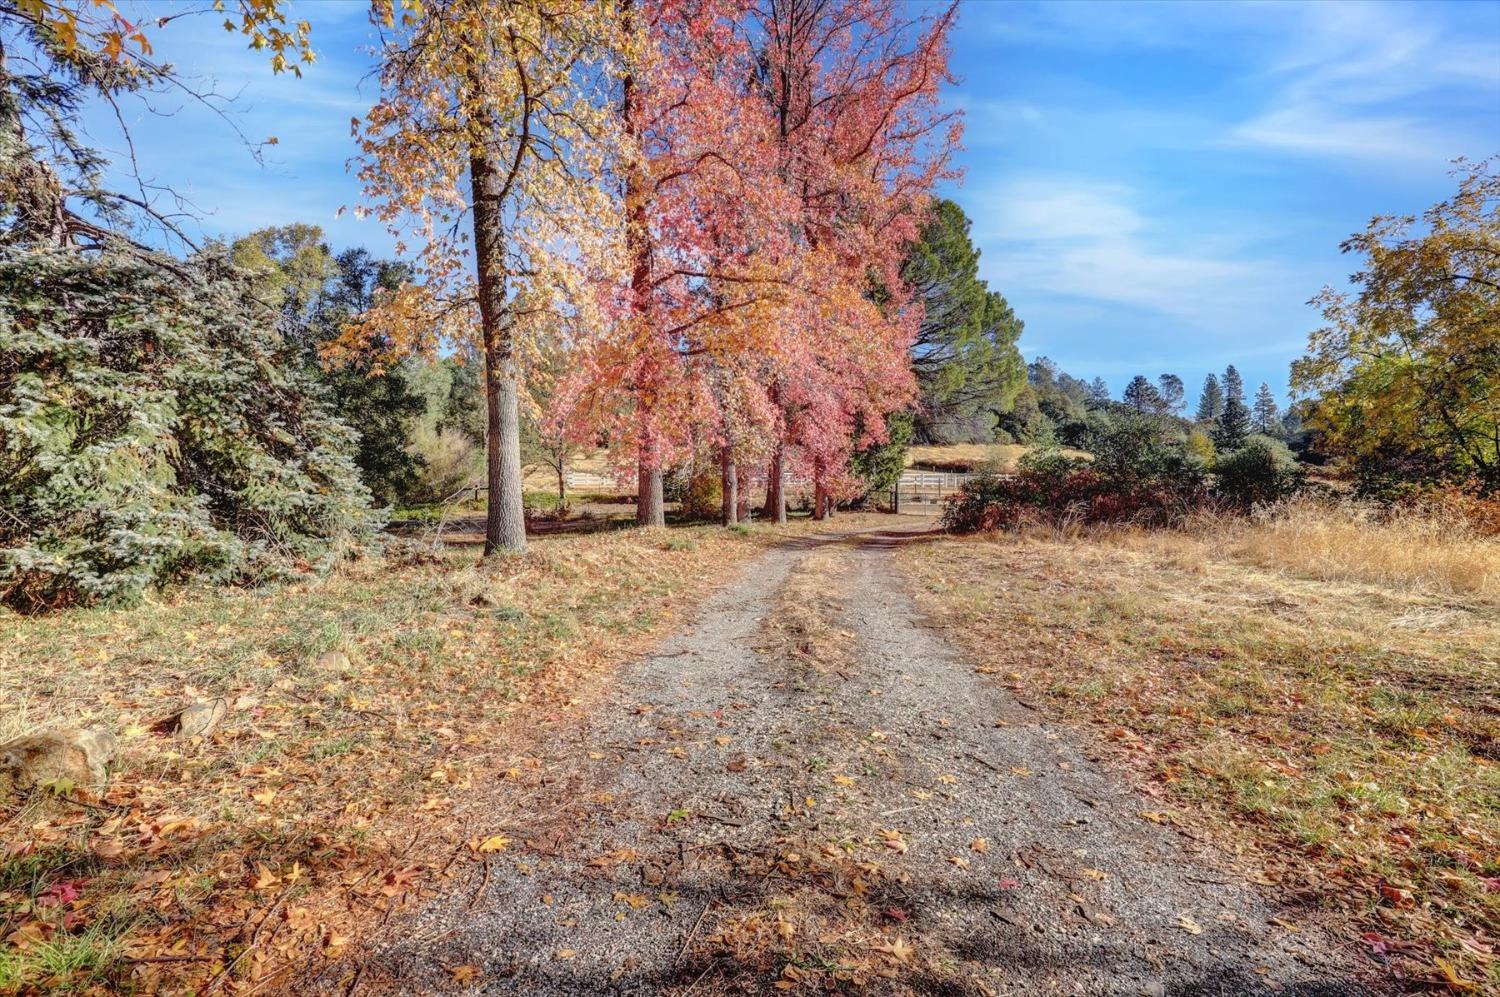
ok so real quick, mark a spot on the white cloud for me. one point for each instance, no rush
(1088, 241)
(1346, 77)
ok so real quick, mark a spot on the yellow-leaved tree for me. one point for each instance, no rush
(490, 148)
(1405, 377)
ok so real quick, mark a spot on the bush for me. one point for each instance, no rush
(152, 430)
(1140, 473)
(698, 488)
(1259, 473)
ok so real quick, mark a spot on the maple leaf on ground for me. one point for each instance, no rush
(494, 843)
(897, 951)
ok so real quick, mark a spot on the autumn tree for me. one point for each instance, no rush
(1405, 375)
(490, 145)
(705, 237)
(852, 86)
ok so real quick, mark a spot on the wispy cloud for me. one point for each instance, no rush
(1083, 239)
(1347, 80)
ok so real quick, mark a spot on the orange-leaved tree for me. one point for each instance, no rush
(491, 146)
(853, 86)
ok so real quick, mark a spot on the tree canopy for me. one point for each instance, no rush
(968, 368)
(1406, 372)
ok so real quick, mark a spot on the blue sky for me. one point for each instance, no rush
(1154, 187)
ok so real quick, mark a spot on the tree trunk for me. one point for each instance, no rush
(650, 509)
(562, 484)
(820, 495)
(776, 487)
(505, 517)
(729, 483)
(741, 493)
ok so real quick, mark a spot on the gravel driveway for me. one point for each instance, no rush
(739, 817)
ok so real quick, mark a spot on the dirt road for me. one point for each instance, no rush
(806, 790)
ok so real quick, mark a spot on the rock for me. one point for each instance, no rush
(332, 661)
(69, 754)
(199, 719)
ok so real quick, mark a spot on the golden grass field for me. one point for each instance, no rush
(1319, 687)
(972, 456)
(957, 456)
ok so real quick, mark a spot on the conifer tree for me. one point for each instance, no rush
(1210, 401)
(1233, 426)
(1267, 414)
(1141, 395)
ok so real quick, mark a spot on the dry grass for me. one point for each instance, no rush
(326, 796)
(1322, 691)
(1001, 457)
(1349, 542)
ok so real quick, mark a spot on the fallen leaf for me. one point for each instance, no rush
(464, 974)
(896, 951)
(979, 845)
(1451, 977)
(1189, 925)
(494, 843)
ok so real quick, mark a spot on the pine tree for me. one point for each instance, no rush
(1267, 415)
(160, 430)
(1141, 395)
(965, 358)
(1211, 401)
(1098, 390)
(1233, 426)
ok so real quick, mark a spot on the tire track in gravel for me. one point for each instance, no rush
(848, 806)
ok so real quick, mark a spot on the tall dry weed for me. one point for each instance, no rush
(1428, 549)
